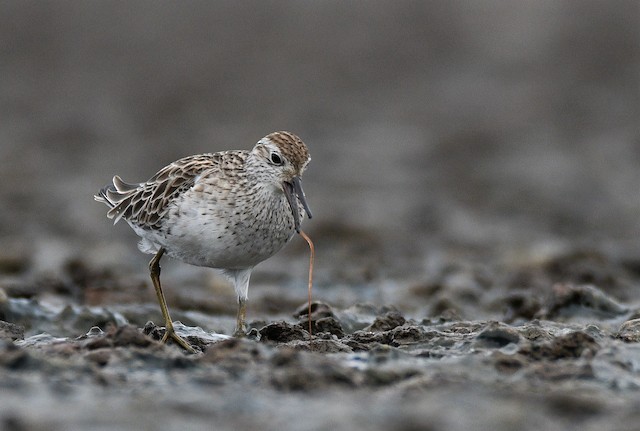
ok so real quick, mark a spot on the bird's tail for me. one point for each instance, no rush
(116, 196)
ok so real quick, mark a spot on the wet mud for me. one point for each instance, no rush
(571, 354)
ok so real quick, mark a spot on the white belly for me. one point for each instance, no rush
(219, 235)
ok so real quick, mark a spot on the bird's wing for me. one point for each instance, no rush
(144, 204)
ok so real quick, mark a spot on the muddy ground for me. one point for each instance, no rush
(560, 356)
(474, 182)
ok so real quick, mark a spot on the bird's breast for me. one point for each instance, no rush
(228, 230)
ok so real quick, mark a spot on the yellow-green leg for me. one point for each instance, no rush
(154, 269)
(241, 326)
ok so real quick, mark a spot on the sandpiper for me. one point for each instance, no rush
(229, 210)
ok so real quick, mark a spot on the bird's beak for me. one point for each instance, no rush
(292, 190)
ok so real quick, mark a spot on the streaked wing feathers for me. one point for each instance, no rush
(145, 204)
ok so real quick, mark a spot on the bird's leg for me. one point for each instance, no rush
(240, 278)
(154, 269)
(241, 326)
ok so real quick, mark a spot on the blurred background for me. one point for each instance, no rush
(481, 127)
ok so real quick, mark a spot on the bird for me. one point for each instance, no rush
(228, 210)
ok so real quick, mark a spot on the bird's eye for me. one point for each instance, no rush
(276, 159)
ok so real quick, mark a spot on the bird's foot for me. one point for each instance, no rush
(240, 332)
(170, 333)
